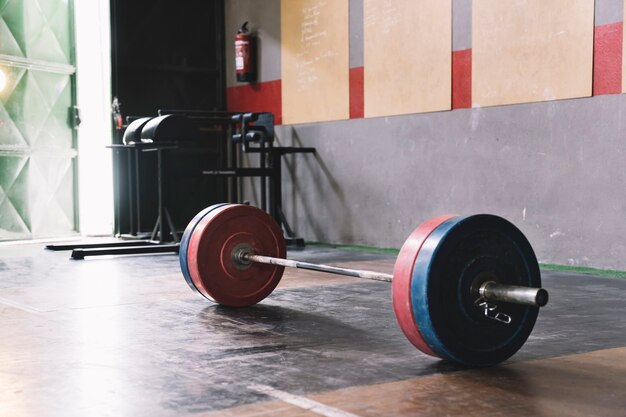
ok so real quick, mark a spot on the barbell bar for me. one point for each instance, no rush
(490, 291)
(465, 289)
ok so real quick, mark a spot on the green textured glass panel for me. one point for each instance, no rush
(56, 90)
(57, 15)
(37, 184)
(10, 169)
(18, 193)
(56, 131)
(51, 85)
(12, 14)
(42, 40)
(10, 135)
(27, 107)
(36, 29)
(8, 44)
(11, 225)
(64, 196)
(46, 47)
(13, 76)
(34, 24)
(14, 208)
(51, 194)
(49, 8)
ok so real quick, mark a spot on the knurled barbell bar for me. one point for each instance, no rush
(465, 289)
(489, 290)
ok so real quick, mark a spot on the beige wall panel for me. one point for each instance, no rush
(531, 50)
(315, 54)
(407, 56)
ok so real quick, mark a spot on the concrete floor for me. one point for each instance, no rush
(125, 336)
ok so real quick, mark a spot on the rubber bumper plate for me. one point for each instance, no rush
(217, 237)
(454, 260)
(401, 284)
(184, 243)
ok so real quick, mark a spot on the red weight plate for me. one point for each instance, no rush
(211, 247)
(401, 284)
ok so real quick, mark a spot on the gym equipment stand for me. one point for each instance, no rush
(157, 242)
(258, 128)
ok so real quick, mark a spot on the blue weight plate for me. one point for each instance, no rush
(401, 284)
(184, 243)
(455, 259)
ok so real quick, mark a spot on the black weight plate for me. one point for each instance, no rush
(460, 254)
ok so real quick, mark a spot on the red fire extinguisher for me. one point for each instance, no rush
(245, 55)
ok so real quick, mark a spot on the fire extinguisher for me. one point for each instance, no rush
(245, 55)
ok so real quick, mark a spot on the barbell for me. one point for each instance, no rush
(466, 289)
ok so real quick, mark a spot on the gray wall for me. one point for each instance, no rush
(555, 169)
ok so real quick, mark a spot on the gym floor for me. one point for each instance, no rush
(126, 336)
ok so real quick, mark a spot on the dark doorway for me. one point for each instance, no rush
(168, 55)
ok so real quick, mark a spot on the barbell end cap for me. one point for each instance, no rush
(542, 297)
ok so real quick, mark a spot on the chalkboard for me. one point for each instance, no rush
(533, 50)
(315, 60)
(407, 56)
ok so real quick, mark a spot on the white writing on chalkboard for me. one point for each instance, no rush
(314, 45)
(382, 13)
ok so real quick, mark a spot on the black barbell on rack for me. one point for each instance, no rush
(465, 289)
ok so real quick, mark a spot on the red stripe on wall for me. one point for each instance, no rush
(257, 97)
(607, 59)
(462, 79)
(357, 109)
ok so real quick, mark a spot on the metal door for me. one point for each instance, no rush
(37, 140)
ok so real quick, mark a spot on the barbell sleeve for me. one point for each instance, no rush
(514, 294)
